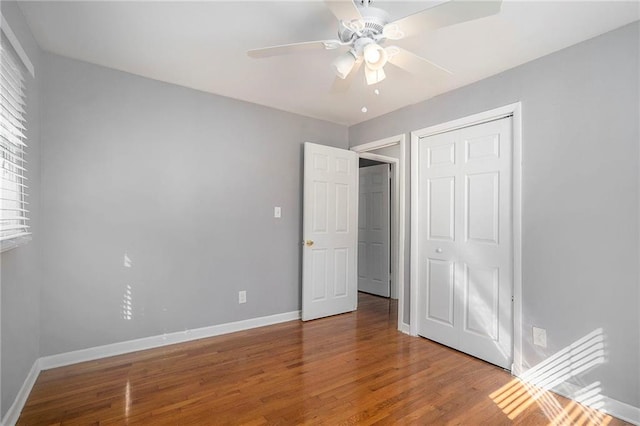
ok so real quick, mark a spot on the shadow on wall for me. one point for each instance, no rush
(533, 386)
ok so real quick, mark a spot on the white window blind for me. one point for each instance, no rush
(13, 182)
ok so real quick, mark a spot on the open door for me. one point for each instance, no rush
(330, 231)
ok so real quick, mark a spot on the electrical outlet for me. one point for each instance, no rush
(540, 337)
(242, 296)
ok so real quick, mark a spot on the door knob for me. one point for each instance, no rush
(309, 243)
(438, 250)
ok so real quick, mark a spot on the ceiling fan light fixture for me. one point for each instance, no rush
(364, 29)
(375, 56)
(343, 64)
(374, 76)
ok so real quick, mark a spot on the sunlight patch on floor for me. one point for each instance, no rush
(533, 386)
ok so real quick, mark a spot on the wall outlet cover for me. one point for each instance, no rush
(540, 337)
(242, 296)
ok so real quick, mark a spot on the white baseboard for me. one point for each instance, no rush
(623, 411)
(11, 417)
(98, 352)
(611, 406)
(405, 328)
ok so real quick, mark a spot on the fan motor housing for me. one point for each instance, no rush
(374, 20)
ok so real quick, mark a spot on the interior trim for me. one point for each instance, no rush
(105, 351)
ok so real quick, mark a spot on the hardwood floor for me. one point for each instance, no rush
(349, 369)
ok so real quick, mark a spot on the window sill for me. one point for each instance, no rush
(12, 243)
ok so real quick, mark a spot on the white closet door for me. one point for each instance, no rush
(465, 242)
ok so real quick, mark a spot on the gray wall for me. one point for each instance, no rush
(19, 267)
(580, 193)
(181, 182)
(184, 183)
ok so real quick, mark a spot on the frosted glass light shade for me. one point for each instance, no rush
(343, 64)
(375, 56)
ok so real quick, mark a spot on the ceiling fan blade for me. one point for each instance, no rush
(344, 10)
(415, 64)
(285, 49)
(450, 13)
(342, 85)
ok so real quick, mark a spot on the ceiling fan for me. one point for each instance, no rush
(365, 29)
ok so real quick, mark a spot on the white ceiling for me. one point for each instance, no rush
(203, 45)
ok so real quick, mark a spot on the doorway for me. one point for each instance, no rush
(391, 151)
(374, 228)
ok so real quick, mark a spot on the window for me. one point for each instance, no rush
(13, 187)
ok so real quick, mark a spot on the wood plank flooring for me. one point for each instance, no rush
(349, 369)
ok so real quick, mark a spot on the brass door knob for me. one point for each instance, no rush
(309, 243)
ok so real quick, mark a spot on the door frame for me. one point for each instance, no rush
(514, 110)
(398, 201)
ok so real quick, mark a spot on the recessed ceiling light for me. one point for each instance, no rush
(377, 91)
(364, 109)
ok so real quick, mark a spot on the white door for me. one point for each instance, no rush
(465, 240)
(330, 231)
(373, 230)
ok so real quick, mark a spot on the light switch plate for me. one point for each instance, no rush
(277, 212)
